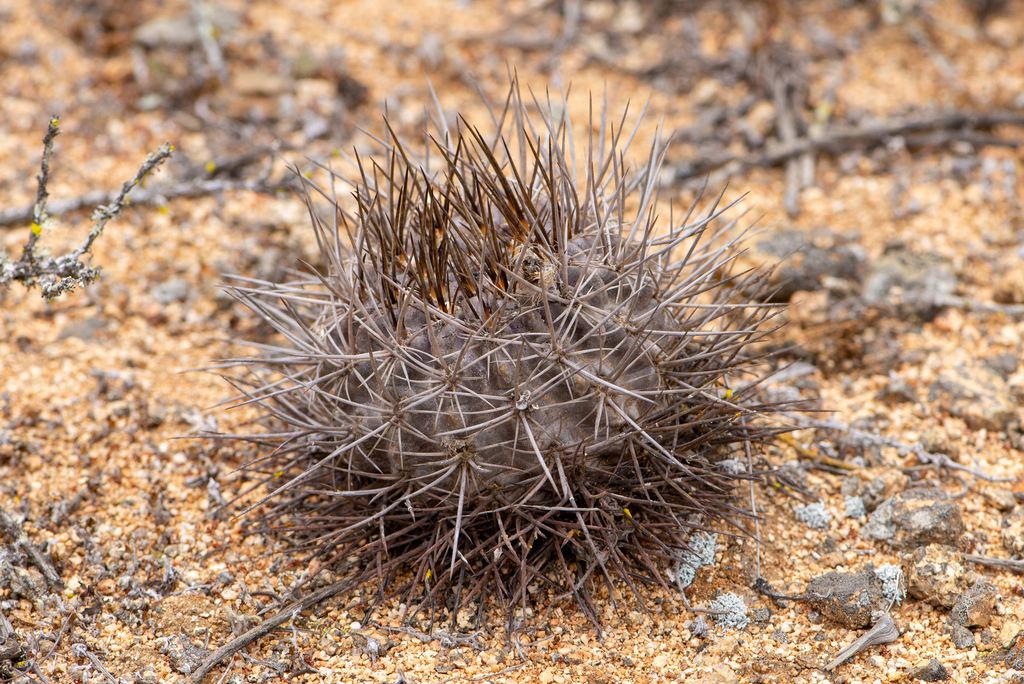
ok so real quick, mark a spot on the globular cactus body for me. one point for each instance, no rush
(501, 378)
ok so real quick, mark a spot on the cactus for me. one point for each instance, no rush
(504, 375)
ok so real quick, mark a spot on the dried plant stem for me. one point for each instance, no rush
(18, 536)
(958, 125)
(1001, 563)
(267, 626)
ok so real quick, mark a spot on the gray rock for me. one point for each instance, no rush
(185, 657)
(937, 441)
(27, 51)
(923, 281)
(847, 599)
(1000, 497)
(809, 260)
(150, 102)
(314, 127)
(1004, 363)
(936, 573)
(934, 671)
(974, 607)
(88, 329)
(174, 290)
(28, 583)
(916, 517)
(897, 391)
(961, 637)
(1012, 530)
(975, 393)
(873, 492)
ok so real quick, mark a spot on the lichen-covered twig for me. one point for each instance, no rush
(57, 275)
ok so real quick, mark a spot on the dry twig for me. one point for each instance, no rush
(266, 627)
(216, 176)
(951, 127)
(14, 531)
(923, 455)
(1001, 563)
(787, 131)
(81, 651)
(208, 38)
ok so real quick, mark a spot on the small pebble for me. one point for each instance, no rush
(937, 574)
(974, 607)
(934, 671)
(962, 637)
(1012, 531)
(1008, 633)
(999, 497)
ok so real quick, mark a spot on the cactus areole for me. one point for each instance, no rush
(507, 375)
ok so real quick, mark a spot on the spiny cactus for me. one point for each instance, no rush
(505, 375)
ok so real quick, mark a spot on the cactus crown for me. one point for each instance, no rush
(504, 375)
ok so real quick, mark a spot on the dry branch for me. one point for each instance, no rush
(945, 128)
(266, 627)
(18, 536)
(1001, 563)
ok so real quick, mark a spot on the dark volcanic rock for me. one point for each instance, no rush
(934, 671)
(962, 637)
